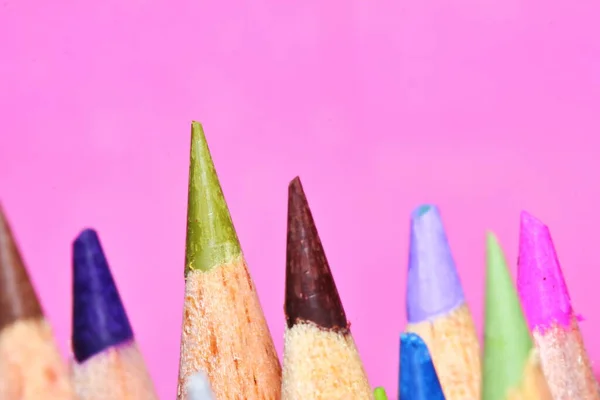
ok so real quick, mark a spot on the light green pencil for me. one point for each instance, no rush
(224, 330)
(380, 394)
(511, 367)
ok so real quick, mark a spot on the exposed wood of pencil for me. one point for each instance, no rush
(454, 347)
(118, 373)
(226, 335)
(533, 386)
(565, 363)
(30, 365)
(322, 364)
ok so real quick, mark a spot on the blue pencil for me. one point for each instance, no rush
(108, 364)
(418, 379)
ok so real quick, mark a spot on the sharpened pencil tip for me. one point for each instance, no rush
(418, 378)
(198, 387)
(311, 294)
(99, 318)
(380, 394)
(211, 239)
(433, 287)
(507, 341)
(18, 299)
(540, 280)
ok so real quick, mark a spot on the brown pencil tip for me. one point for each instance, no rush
(310, 291)
(17, 296)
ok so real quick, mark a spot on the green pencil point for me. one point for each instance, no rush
(211, 239)
(507, 341)
(379, 393)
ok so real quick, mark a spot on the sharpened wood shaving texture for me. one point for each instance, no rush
(565, 363)
(30, 365)
(454, 349)
(225, 334)
(322, 364)
(533, 386)
(118, 373)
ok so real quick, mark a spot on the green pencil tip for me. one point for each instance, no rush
(507, 342)
(211, 239)
(380, 394)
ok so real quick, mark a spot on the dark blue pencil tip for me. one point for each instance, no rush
(99, 318)
(418, 379)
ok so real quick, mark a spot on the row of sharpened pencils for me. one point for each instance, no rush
(532, 349)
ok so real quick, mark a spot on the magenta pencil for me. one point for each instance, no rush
(548, 309)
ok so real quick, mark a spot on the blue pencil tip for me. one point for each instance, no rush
(99, 318)
(418, 379)
(433, 285)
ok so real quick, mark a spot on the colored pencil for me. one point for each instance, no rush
(511, 365)
(436, 307)
(108, 363)
(320, 358)
(198, 387)
(224, 330)
(30, 364)
(380, 394)
(548, 309)
(418, 379)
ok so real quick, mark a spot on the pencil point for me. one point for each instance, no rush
(198, 387)
(418, 378)
(311, 294)
(380, 394)
(211, 238)
(540, 281)
(507, 341)
(99, 318)
(18, 299)
(433, 286)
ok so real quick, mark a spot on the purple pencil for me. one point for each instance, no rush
(108, 363)
(436, 307)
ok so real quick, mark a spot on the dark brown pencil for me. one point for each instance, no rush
(320, 358)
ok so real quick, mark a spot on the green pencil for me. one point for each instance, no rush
(511, 368)
(224, 330)
(379, 393)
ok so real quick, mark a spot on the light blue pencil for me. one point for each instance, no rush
(198, 387)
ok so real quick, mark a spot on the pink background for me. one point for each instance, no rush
(482, 106)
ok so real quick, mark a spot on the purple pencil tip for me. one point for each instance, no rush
(433, 287)
(99, 317)
(540, 281)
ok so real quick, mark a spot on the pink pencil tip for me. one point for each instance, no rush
(540, 281)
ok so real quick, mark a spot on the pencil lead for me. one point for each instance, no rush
(211, 238)
(380, 394)
(540, 280)
(507, 341)
(418, 378)
(311, 294)
(18, 299)
(433, 287)
(198, 387)
(99, 318)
